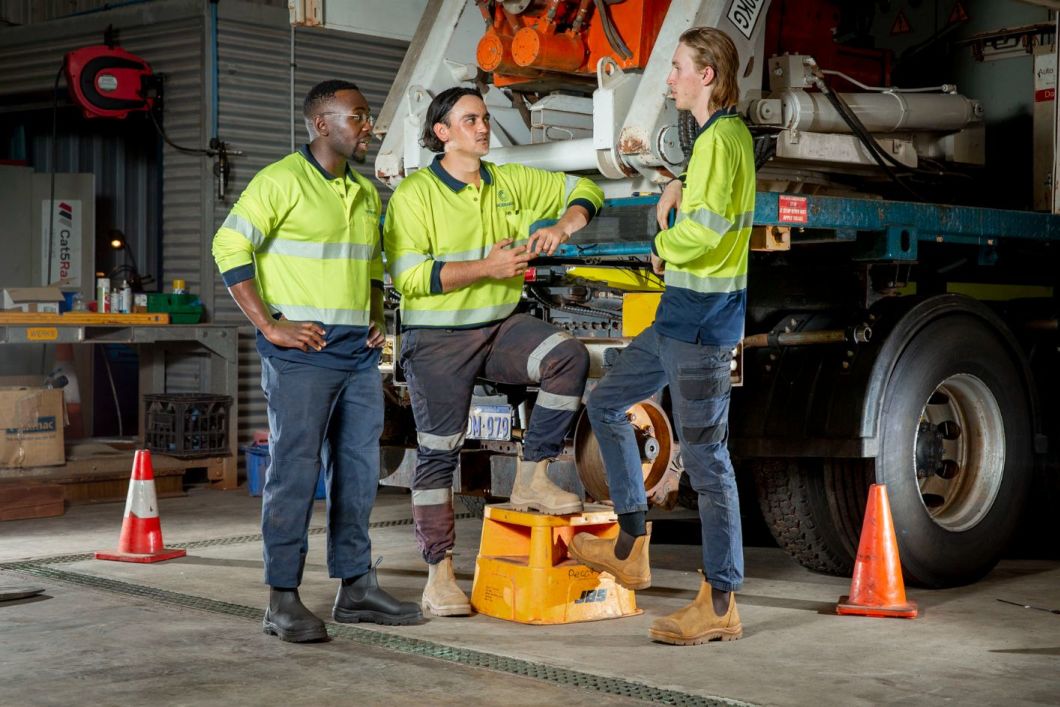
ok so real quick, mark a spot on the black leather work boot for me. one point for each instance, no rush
(362, 600)
(288, 618)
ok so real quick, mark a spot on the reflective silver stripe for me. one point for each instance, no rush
(455, 317)
(571, 183)
(707, 285)
(552, 401)
(431, 497)
(245, 228)
(440, 443)
(533, 363)
(406, 262)
(302, 313)
(473, 254)
(319, 251)
(709, 219)
(744, 220)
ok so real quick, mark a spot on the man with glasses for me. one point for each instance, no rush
(300, 253)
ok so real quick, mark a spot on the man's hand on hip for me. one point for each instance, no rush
(658, 265)
(376, 337)
(295, 335)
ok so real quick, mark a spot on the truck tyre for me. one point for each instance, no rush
(955, 450)
(814, 508)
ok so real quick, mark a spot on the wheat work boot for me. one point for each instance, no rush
(634, 572)
(533, 490)
(697, 623)
(442, 596)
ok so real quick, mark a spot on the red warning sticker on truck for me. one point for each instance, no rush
(793, 209)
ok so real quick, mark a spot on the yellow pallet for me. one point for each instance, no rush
(83, 318)
(523, 572)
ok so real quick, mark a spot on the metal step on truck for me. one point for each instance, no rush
(902, 306)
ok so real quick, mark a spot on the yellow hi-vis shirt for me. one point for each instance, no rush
(434, 218)
(706, 250)
(310, 240)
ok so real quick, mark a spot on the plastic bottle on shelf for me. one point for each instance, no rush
(180, 287)
(125, 299)
(103, 295)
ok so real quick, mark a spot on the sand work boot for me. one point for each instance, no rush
(442, 596)
(533, 490)
(634, 572)
(697, 623)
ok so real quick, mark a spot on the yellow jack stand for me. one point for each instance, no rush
(523, 572)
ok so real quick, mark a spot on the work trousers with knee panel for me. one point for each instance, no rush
(441, 366)
(698, 376)
(319, 416)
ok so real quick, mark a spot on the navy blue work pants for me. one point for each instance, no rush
(698, 376)
(319, 416)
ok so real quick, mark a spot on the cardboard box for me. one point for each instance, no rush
(33, 299)
(31, 426)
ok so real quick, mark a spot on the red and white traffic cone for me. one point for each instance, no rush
(141, 531)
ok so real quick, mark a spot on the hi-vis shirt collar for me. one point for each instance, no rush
(304, 151)
(451, 181)
(723, 113)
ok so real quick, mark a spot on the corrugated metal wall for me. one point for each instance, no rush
(171, 39)
(24, 12)
(256, 117)
(170, 35)
(254, 111)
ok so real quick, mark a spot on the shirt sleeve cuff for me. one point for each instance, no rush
(238, 274)
(654, 250)
(585, 204)
(436, 277)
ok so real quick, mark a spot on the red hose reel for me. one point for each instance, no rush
(109, 82)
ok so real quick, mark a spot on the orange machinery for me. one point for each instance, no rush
(526, 40)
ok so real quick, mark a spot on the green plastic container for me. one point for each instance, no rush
(182, 309)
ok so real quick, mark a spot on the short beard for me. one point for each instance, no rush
(359, 157)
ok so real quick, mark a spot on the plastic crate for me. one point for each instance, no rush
(182, 308)
(258, 463)
(187, 425)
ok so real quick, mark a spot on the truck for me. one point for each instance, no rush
(902, 307)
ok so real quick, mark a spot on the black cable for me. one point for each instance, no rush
(613, 37)
(571, 308)
(175, 146)
(113, 391)
(865, 137)
(52, 169)
(875, 151)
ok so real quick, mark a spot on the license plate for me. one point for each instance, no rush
(490, 422)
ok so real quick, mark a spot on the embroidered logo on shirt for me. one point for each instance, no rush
(504, 199)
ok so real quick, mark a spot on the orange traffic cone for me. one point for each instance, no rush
(877, 588)
(141, 531)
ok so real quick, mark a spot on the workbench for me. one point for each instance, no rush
(153, 338)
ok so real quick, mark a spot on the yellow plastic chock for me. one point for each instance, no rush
(523, 572)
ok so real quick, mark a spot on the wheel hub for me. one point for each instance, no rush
(959, 452)
(929, 450)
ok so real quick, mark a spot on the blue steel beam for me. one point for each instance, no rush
(935, 223)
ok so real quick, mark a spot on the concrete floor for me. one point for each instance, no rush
(79, 644)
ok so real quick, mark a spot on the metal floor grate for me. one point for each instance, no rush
(44, 568)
